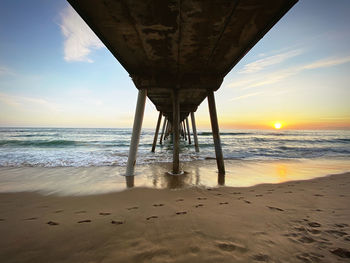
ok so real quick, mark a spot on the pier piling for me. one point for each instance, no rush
(216, 134)
(176, 132)
(156, 132)
(163, 129)
(188, 131)
(136, 131)
(194, 129)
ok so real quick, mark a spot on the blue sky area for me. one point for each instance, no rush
(55, 72)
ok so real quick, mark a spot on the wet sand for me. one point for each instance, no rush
(299, 221)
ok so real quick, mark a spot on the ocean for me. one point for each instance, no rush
(75, 161)
(77, 147)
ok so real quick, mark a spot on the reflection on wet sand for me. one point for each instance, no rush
(239, 173)
(162, 179)
(98, 180)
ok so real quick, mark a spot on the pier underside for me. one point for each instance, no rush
(181, 47)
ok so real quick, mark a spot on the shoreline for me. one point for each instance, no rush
(299, 221)
(106, 179)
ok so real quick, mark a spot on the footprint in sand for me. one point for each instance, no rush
(314, 224)
(341, 225)
(236, 193)
(341, 252)
(151, 217)
(261, 257)
(158, 205)
(336, 233)
(84, 221)
(104, 213)
(58, 211)
(81, 212)
(288, 192)
(314, 231)
(306, 239)
(1, 219)
(223, 203)
(52, 223)
(246, 201)
(319, 195)
(117, 222)
(275, 208)
(30, 218)
(179, 200)
(258, 195)
(201, 198)
(230, 246)
(181, 213)
(132, 208)
(199, 205)
(309, 257)
(218, 194)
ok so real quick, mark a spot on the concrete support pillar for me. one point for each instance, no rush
(157, 131)
(136, 131)
(215, 130)
(188, 131)
(184, 129)
(181, 130)
(194, 129)
(176, 132)
(163, 129)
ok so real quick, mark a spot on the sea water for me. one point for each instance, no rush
(76, 147)
(92, 161)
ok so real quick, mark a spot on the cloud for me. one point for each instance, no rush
(5, 71)
(259, 80)
(80, 40)
(269, 61)
(246, 96)
(329, 62)
(264, 79)
(20, 101)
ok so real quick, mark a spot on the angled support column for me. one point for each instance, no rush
(157, 131)
(184, 129)
(163, 129)
(194, 129)
(176, 132)
(215, 130)
(188, 131)
(168, 126)
(136, 131)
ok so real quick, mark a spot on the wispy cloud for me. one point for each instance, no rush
(21, 101)
(246, 96)
(5, 71)
(269, 61)
(259, 80)
(329, 62)
(79, 38)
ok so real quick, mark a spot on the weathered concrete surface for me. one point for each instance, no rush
(188, 45)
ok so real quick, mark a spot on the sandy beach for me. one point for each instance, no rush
(299, 221)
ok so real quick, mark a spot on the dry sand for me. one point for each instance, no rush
(301, 221)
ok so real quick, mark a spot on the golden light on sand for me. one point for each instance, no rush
(277, 125)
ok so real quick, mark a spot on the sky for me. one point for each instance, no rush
(54, 72)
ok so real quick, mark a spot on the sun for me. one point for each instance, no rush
(277, 125)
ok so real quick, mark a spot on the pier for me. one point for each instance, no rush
(177, 54)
